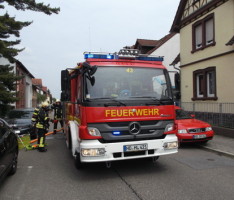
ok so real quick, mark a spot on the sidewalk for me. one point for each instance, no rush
(221, 144)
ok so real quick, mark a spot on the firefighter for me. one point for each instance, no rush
(58, 114)
(41, 120)
(33, 133)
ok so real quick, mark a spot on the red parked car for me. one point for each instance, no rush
(191, 129)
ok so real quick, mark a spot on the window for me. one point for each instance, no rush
(209, 29)
(199, 84)
(203, 33)
(210, 83)
(198, 36)
(204, 84)
(124, 83)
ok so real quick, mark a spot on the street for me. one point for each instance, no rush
(193, 173)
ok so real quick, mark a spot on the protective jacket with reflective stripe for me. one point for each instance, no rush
(42, 119)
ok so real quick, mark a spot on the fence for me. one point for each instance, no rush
(217, 114)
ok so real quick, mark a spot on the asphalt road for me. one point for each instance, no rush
(190, 174)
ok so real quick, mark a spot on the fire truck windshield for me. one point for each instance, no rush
(126, 83)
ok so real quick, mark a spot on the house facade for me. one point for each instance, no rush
(169, 48)
(206, 30)
(37, 89)
(40, 93)
(24, 86)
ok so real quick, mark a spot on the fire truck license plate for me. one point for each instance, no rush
(135, 147)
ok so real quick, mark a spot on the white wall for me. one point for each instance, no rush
(28, 92)
(169, 50)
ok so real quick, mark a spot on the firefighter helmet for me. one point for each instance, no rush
(45, 104)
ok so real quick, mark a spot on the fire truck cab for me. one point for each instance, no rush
(118, 106)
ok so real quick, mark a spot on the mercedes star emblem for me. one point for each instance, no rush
(134, 128)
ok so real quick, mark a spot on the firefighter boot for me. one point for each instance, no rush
(41, 147)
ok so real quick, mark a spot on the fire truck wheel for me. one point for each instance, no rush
(78, 163)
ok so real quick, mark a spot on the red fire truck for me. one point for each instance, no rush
(118, 106)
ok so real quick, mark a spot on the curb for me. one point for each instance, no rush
(218, 151)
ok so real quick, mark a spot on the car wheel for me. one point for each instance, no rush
(14, 164)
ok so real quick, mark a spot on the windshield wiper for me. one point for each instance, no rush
(109, 98)
(156, 101)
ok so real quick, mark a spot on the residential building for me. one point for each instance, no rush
(144, 46)
(24, 86)
(46, 92)
(206, 30)
(169, 48)
(37, 88)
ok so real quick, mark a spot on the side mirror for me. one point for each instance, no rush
(92, 70)
(177, 81)
(92, 80)
(65, 86)
(88, 69)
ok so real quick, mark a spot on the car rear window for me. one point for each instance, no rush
(20, 114)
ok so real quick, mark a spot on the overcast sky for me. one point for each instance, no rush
(53, 43)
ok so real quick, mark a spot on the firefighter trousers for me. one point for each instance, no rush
(41, 139)
(56, 125)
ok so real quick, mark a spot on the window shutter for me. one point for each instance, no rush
(198, 36)
(209, 26)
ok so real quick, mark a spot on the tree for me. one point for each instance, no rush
(7, 88)
(41, 98)
(10, 27)
(7, 83)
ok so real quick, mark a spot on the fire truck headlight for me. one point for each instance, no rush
(94, 131)
(170, 145)
(169, 127)
(93, 152)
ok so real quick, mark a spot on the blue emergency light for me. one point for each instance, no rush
(150, 58)
(116, 133)
(99, 56)
(132, 54)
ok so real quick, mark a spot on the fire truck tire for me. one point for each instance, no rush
(78, 163)
(69, 141)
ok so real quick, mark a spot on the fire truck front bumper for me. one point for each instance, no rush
(94, 151)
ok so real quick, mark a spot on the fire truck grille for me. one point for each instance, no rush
(131, 154)
(121, 124)
(122, 131)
